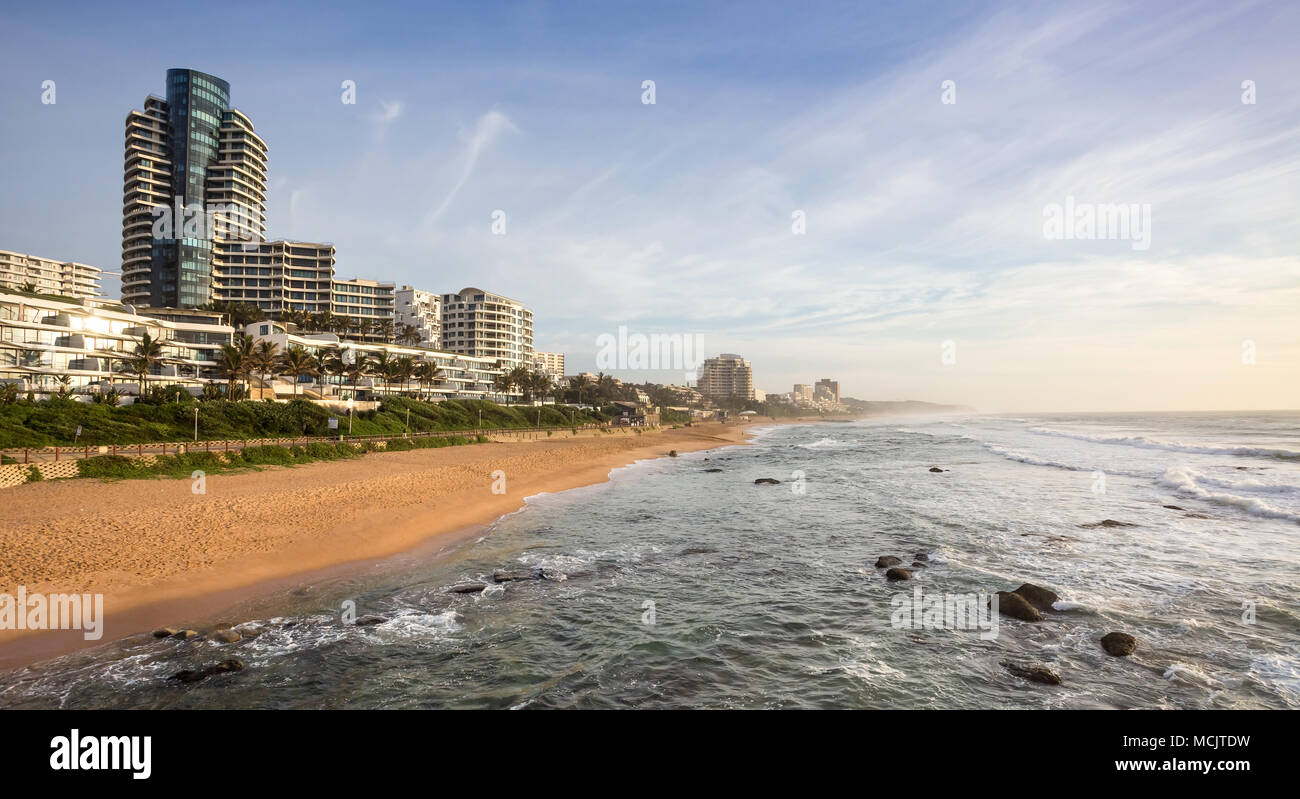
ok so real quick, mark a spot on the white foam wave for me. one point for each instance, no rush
(1186, 481)
(1172, 446)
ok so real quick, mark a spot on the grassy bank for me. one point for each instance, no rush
(117, 467)
(55, 421)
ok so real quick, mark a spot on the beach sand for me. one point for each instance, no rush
(162, 555)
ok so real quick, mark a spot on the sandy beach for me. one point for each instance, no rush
(162, 555)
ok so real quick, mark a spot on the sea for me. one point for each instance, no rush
(681, 583)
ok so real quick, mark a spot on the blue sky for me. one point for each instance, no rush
(924, 219)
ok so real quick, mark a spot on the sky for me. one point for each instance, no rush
(807, 189)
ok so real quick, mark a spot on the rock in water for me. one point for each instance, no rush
(1033, 672)
(712, 470)
(467, 588)
(186, 635)
(502, 576)
(165, 632)
(1119, 644)
(554, 575)
(767, 481)
(1037, 596)
(225, 636)
(366, 621)
(916, 564)
(1015, 606)
(935, 469)
(885, 561)
(1171, 507)
(921, 556)
(188, 675)
(1108, 523)
(898, 574)
(672, 453)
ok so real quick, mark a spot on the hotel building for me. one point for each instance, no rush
(486, 325)
(62, 278)
(726, 377)
(188, 151)
(91, 341)
(422, 311)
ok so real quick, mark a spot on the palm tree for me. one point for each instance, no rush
(383, 328)
(296, 362)
(501, 385)
(580, 384)
(403, 368)
(344, 325)
(356, 370)
(148, 354)
(231, 363)
(381, 365)
(263, 359)
(410, 335)
(331, 362)
(425, 372)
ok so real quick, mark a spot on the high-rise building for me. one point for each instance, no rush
(486, 325)
(422, 312)
(369, 304)
(275, 276)
(47, 276)
(827, 390)
(727, 377)
(552, 363)
(194, 173)
(802, 393)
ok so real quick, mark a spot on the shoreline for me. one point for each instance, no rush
(335, 519)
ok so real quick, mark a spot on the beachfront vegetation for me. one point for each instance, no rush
(168, 416)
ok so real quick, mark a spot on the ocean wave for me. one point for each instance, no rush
(1022, 457)
(1186, 481)
(825, 443)
(1172, 446)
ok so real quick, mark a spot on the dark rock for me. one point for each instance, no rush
(1108, 523)
(554, 575)
(898, 574)
(1015, 606)
(885, 561)
(366, 621)
(1119, 644)
(1033, 672)
(229, 664)
(767, 481)
(188, 675)
(225, 636)
(165, 632)
(192, 675)
(712, 470)
(916, 564)
(935, 469)
(1171, 507)
(921, 556)
(672, 453)
(697, 551)
(186, 635)
(503, 576)
(1037, 596)
(467, 588)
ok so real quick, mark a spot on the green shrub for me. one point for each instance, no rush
(266, 454)
(108, 466)
(34, 475)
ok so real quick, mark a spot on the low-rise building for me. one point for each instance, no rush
(48, 276)
(420, 312)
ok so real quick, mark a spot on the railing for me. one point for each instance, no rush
(53, 454)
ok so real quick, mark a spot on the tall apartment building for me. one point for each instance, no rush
(726, 377)
(421, 310)
(803, 393)
(486, 325)
(827, 390)
(61, 278)
(190, 160)
(367, 303)
(275, 276)
(552, 363)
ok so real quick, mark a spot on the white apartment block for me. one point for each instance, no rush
(552, 363)
(727, 377)
(366, 302)
(63, 278)
(422, 311)
(485, 325)
(90, 341)
(275, 276)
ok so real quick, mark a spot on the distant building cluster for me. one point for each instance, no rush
(823, 395)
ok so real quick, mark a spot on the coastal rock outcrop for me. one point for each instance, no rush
(885, 561)
(672, 453)
(1119, 644)
(1015, 606)
(226, 636)
(767, 481)
(165, 632)
(186, 635)
(921, 556)
(504, 576)
(467, 588)
(916, 564)
(367, 621)
(712, 470)
(1033, 672)
(898, 574)
(1039, 597)
(1108, 523)
(195, 675)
